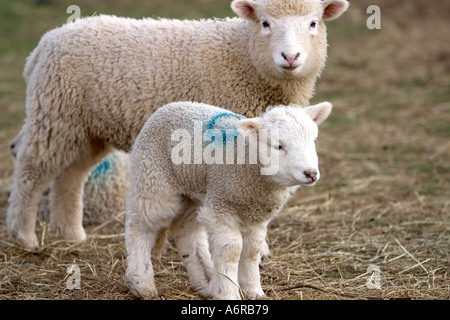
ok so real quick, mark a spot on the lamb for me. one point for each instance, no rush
(104, 190)
(91, 84)
(217, 211)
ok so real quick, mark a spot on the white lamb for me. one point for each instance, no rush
(92, 84)
(215, 201)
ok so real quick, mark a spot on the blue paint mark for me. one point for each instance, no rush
(211, 124)
(101, 169)
(228, 134)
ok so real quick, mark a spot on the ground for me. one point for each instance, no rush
(380, 210)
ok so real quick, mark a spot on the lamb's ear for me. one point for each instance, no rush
(319, 112)
(246, 9)
(333, 9)
(249, 127)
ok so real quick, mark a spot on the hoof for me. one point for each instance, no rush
(143, 288)
(29, 241)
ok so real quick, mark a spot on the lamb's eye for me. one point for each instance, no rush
(265, 24)
(279, 147)
(313, 24)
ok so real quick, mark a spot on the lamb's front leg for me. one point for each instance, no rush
(225, 243)
(253, 237)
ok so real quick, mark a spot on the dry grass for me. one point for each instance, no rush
(383, 199)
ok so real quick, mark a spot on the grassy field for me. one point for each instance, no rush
(384, 196)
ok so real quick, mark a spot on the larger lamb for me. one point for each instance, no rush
(92, 84)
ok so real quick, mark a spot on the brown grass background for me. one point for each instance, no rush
(384, 195)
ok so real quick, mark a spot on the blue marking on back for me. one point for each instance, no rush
(225, 138)
(102, 168)
(211, 124)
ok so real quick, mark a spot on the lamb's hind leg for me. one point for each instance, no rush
(66, 196)
(30, 180)
(192, 243)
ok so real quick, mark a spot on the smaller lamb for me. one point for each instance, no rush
(193, 155)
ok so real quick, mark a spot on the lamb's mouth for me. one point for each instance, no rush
(306, 183)
(290, 68)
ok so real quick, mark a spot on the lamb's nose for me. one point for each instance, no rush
(290, 58)
(311, 175)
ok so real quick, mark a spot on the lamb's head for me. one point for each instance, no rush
(285, 136)
(289, 36)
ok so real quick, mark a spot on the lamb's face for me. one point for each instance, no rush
(286, 143)
(292, 148)
(289, 36)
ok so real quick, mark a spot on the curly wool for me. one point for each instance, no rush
(113, 76)
(106, 189)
